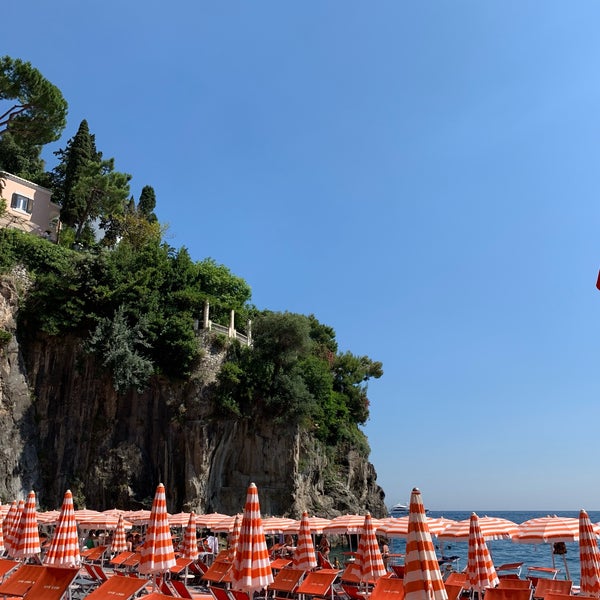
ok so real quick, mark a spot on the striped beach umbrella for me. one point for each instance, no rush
(234, 538)
(492, 528)
(225, 525)
(304, 556)
(2, 546)
(251, 570)
(27, 538)
(157, 554)
(210, 519)
(397, 527)
(589, 557)
(422, 576)
(481, 573)
(190, 540)
(368, 557)
(316, 524)
(64, 546)
(119, 541)
(275, 525)
(10, 524)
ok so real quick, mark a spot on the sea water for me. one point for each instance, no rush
(507, 551)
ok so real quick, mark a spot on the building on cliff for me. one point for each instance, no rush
(28, 206)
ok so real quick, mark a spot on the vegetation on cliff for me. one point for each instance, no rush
(133, 299)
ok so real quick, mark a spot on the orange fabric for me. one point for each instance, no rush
(217, 571)
(304, 555)
(64, 547)
(121, 557)
(545, 586)
(368, 557)
(190, 541)
(19, 582)
(280, 563)
(7, 565)
(52, 583)
(118, 587)
(480, 567)
(317, 583)
(453, 591)
(351, 573)
(388, 588)
(514, 584)
(287, 580)
(504, 594)
(27, 538)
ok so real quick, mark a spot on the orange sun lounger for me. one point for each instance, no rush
(507, 594)
(118, 587)
(388, 588)
(285, 582)
(7, 566)
(218, 572)
(318, 584)
(547, 586)
(39, 582)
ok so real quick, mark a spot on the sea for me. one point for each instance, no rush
(507, 551)
(503, 551)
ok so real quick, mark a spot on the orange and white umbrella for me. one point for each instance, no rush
(190, 540)
(157, 554)
(276, 524)
(180, 519)
(210, 519)
(103, 521)
(119, 541)
(85, 514)
(64, 546)
(368, 557)
(251, 570)
(550, 529)
(226, 525)
(48, 517)
(2, 546)
(27, 538)
(10, 525)
(305, 558)
(397, 527)
(481, 573)
(351, 524)
(589, 557)
(234, 538)
(138, 517)
(492, 528)
(422, 576)
(316, 524)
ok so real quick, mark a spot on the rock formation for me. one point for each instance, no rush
(64, 426)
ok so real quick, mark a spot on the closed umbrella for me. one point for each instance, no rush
(119, 541)
(2, 546)
(251, 570)
(64, 546)
(27, 538)
(422, 576)
(305, 558)
(10, 525)
(481, 573)
(368, 557)
(157, 554)
(589, 557)
(234, 538)
(190, 540)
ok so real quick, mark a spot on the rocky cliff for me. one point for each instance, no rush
(63, 426)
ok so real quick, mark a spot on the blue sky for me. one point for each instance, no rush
(421, 176)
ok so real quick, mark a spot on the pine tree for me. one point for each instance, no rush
(147, 203)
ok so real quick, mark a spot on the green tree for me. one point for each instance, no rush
(37, 110)
(99, 193)
(147, 203)
(73, 159)
(21, 159)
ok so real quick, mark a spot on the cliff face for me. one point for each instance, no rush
(64, 426)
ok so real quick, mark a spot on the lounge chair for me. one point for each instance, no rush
(509, 583)
(38, 582)
(557, 586)
(218, 572)
(457, 579)
(219, 593)
(7, 566)
(280, 563)
(157, 596)
(94, 554)
(285, 583)
(398, 570)
(454, 590)
(388, 588)
(318, 584)
(181, 589)
(117, 560)
(507, 594)
(118, 586)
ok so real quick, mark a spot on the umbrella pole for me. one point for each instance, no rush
(566, 566)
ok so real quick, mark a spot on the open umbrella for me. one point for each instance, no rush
(551, 529)
(119, 541)
(480, 567)
(589, 557)
(234, 538)
(305, 558)
(422, 576)
(492, 528)
(368, 557)
(190, 541)
(27, 538)
(251, 570)
(157, 554)
(398, 527)
(64, 546)
(316, 524)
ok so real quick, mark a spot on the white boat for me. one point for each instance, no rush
(401, 510)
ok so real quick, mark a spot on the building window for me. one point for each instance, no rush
(21, 203)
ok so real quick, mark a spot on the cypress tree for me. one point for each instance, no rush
(147, 203)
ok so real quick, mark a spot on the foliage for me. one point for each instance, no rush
(37, 112)
(21, 159)
(147, 204)
(5, 337)
(121, 345)
(294, 374)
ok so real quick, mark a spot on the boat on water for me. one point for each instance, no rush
(400, 510)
